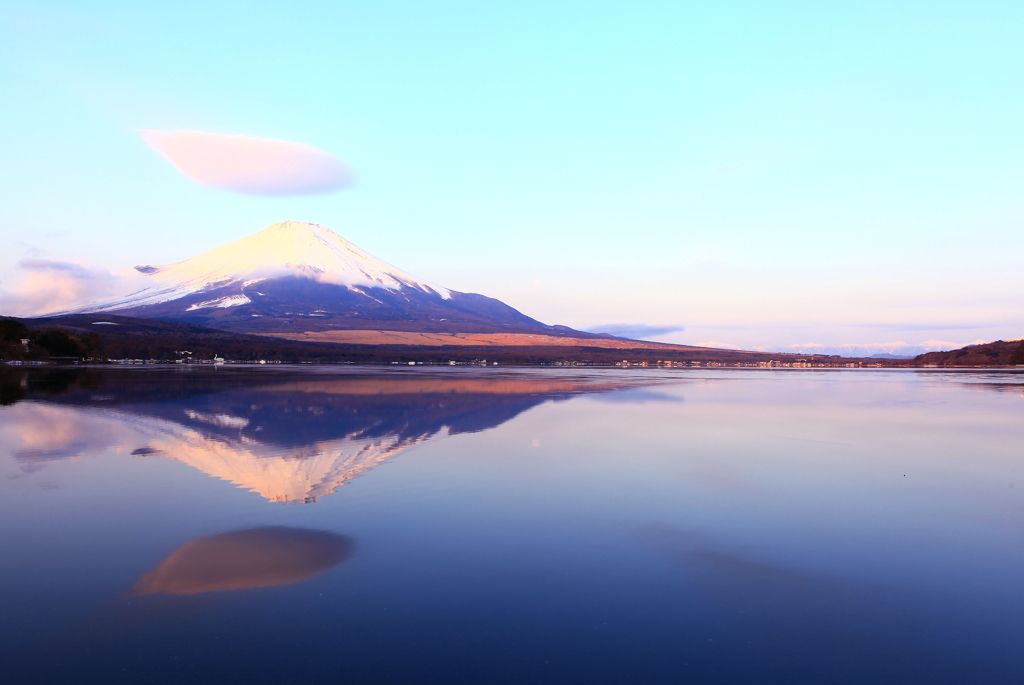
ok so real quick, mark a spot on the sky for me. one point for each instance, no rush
(816, 176)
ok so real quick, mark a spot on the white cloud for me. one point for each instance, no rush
(255, 166)
(722, 345)
(950, 345)
(637, 331)
(898, 348)
(53, 286)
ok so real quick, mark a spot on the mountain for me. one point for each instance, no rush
(299, 277)
(998, 353)
(304, 283)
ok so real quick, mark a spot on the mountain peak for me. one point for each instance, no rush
(294, 231)
(288, 248)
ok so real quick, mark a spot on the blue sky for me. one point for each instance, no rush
(757, 174)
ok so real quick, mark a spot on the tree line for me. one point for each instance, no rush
(18, 342)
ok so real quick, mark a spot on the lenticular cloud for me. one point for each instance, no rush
(256, 166)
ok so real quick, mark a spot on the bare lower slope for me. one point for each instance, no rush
(440, 339)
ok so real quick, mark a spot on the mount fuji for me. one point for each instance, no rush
(295, 277)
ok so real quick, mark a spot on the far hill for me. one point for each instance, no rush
(998, 353)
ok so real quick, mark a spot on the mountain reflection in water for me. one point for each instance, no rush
(290, 437)
(246, 559)
(658, 526)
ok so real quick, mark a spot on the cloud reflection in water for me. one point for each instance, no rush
(246, 559)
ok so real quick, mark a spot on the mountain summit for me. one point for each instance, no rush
(290, 248)
(295, 276)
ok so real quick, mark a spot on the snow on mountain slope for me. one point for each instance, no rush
(290, 248)
(295, 277)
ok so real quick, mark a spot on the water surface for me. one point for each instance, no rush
(289, 525)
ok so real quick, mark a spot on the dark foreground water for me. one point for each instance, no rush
(297, 525)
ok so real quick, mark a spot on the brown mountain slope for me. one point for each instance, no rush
(998, 353)
(487, 339)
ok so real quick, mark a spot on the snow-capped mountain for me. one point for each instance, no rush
(297, 276)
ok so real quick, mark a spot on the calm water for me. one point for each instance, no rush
(298, 525)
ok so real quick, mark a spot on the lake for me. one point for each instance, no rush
(467, 525)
